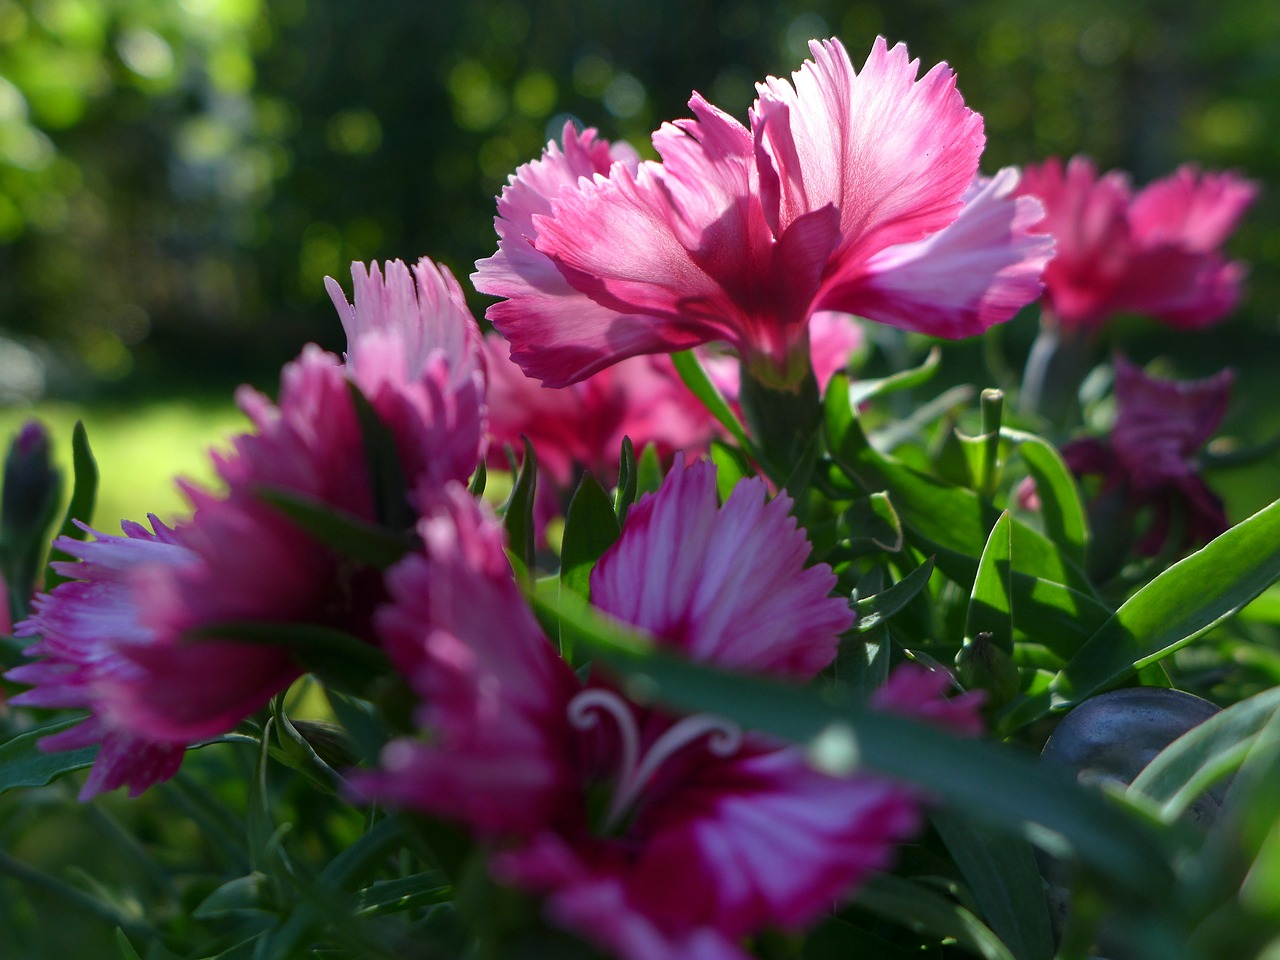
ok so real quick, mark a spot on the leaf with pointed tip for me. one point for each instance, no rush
(864, 390)
(591, 527)
(873, 524)
(876, 609)
(24, 764)
(1189, 598)
(84, 495)
(924, 910)
(1061, 509)
(518, 513)
(990, 608)
(695, 378)
(626, 481)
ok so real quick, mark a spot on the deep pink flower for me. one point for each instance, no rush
(581, 426)
(1157, 253)
(852, 193)
(133, 639)
(650, 835)
(1149, 459)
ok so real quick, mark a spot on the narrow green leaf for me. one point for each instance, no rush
(731, 466)
(24, 764)
(627, 477)
(1001, 873)
(873, 524)
(84, 494)
(864, 390)
(695, 378)
(247, 893)
(837, 939)
(648, 470)
(873, 611)
(479, 480)
(518, 514)
(990, 607)
(952, 523)
(987, 781)
(923, 910)
(1205, 754)
(1061, 509)
(405, 893)
(386, 475)
(591, 527)
(349, 535)
(1181, 603)
(125, 947)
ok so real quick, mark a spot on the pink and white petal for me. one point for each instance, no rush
(892, 153)
(978, 271)
(762, 839)
(726, 585)
(495, 693)
(531, 188)
(834, 338)
(1196, 211)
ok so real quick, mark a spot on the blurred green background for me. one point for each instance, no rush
(177, 176)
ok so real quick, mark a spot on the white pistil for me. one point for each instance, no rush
(724, 737)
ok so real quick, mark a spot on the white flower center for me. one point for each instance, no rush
(724, 737)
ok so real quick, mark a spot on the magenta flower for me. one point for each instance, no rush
(134, 638)
(1156, 253)
(581, 426)
(855, 193)
(648, 834)
(1148, 463)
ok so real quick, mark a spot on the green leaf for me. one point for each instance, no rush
(1053, 595)
(1000, 871)
(349, 535)
(405, 893)
(125, 947)
(518, 514)
(84, 494)
(873, 611)
(247, 893)
(864, 390)
(648, 471)
(1179, 605)
(479, 480)
(627, 479)
(987, 781)
(695, 378)
(872, 524)
(1061, 509)
(23, 764)
(990, 609)
(731, 466)
(837, 939)
(386, 475)
(591, 527)
(1204, 755)
(926, 911)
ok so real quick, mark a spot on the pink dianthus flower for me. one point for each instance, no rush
(649, 834)
(851, 192)
(134, 638)
(1156, 252)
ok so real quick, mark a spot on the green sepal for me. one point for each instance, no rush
(84, 494)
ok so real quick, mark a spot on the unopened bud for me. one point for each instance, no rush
(982, 665)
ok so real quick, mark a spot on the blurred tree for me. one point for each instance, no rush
(177, 177)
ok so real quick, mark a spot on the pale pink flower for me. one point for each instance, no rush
(1156, 253)
(741, 235)
(1149, 460)
(650, 835)
(134, 639)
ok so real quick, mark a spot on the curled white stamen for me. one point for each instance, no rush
(724, 738)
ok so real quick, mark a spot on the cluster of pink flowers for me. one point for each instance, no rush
(648, 833)
(1156, 253)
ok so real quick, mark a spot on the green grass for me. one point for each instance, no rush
(140, 449)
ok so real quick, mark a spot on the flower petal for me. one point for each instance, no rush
(978, 271)
(726, 585)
